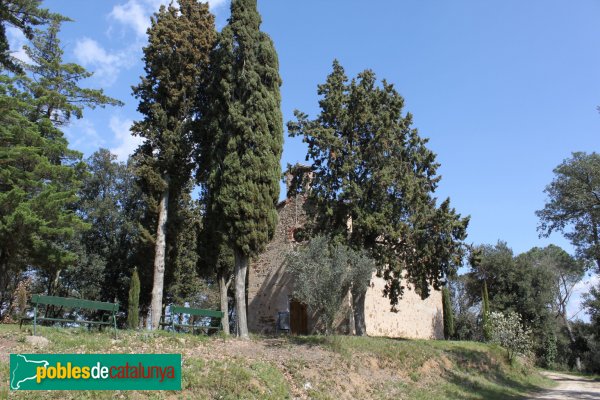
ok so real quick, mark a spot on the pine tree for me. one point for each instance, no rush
(374, 172)
(23, 15)
(448, 314)
(179, 43)
(245, 128)
(133, 308)
(36, 192)
(54, 85)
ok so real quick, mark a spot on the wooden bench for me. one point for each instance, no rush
(192, 312)
(38, 300)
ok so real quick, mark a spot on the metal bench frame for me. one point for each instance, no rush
(67, 302)
(178, 310)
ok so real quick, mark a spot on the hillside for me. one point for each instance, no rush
(295, 367)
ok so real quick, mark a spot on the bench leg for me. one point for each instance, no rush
(34, 318)
(115, 325)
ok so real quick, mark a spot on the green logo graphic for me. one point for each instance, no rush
(95, 372)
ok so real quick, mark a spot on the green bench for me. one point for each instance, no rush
(192, 312)
(39, 300)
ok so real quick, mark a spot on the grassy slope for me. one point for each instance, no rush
(296, 367)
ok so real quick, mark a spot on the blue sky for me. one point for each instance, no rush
(505, 90)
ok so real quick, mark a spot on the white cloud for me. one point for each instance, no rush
(16, 41)
(132, 14)
(82, 135)
(135, 14)
(106, 65)
(126, 143)
(214, 4)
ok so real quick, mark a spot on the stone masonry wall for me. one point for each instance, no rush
(269, 285)
(414, 318)
(270, 288)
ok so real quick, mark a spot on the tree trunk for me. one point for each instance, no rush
(241, 269)
(358, 308)
(159, 261)
(224, 283)
(572, 339)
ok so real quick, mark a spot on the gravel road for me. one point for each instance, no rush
(570, 387)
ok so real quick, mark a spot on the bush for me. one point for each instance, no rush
(508, 331)
(324, 273)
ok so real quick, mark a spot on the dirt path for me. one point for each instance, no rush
(570, 387)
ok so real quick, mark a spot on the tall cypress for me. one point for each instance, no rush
(246, 131)
(179, 44)
(133, 309)
(448, 314)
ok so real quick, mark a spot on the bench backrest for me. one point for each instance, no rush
(196, 311)
(74, 303)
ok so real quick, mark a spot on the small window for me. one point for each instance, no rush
(300, 235)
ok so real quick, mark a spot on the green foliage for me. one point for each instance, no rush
(372, 168)
(323, 273)
(520, 284)
(536, 284)
(507, 330)
(133, 305)
(175, 62)
(551, 350)
(23, 15)
(38, 183)
(244, 132)
(183, 282)
(448, 314)
(573, 205)
(112, 203)
(54, 85)
(592, 305)
(40, 175)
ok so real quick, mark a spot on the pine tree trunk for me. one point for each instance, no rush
(241, 269)
(358, 308)
(223, 288)
(159, 261)
(572, 339)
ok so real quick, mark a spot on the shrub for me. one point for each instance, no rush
(508, 331)
(323, 274)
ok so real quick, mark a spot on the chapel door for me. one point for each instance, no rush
(298, 318)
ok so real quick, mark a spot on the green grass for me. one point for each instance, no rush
(316, 367)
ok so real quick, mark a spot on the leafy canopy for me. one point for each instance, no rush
(373, 170)
(573, 206)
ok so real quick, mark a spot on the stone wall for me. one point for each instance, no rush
(270, 288)
(269, 285)
(414, 318)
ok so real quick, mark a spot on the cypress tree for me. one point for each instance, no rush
(246, 132)
(176, 58)
(371, 167)
(448, 314)
(133, 309)
(485, 311)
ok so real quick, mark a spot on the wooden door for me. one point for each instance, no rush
(298, 318)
